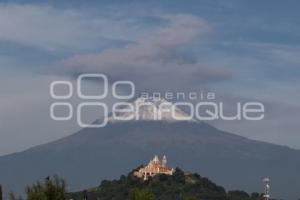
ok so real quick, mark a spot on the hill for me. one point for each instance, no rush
(177, 187)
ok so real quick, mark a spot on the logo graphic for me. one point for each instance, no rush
(89, 99)
(202, 111)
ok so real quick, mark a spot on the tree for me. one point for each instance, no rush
(51, 189)
(1, 195)
(141, 194)
(190, 198)
(237, 195)
(256, 196)
(12, 196)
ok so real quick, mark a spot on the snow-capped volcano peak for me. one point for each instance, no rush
(149, 109)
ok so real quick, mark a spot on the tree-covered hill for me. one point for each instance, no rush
(180, 186)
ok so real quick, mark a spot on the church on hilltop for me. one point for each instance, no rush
(155, 167)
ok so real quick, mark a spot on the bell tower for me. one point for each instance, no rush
(164, 161)
(156, 159)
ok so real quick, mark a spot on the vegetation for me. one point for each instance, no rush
(180, 186)
(141, 194)
(51, 189)
(241, 195)
(177, 187)
(190, 198)
(12, 196)
(1, 195)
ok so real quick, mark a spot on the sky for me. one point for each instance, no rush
(241, 50)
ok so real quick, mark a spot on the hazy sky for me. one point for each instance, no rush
(241, 50)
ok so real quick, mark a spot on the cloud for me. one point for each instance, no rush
(156, 61)
(25, 111)
(55, 29)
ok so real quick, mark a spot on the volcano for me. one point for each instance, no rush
(94, 154)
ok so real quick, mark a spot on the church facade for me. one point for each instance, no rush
(154, 168)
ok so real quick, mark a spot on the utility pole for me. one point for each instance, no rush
(85, 195)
